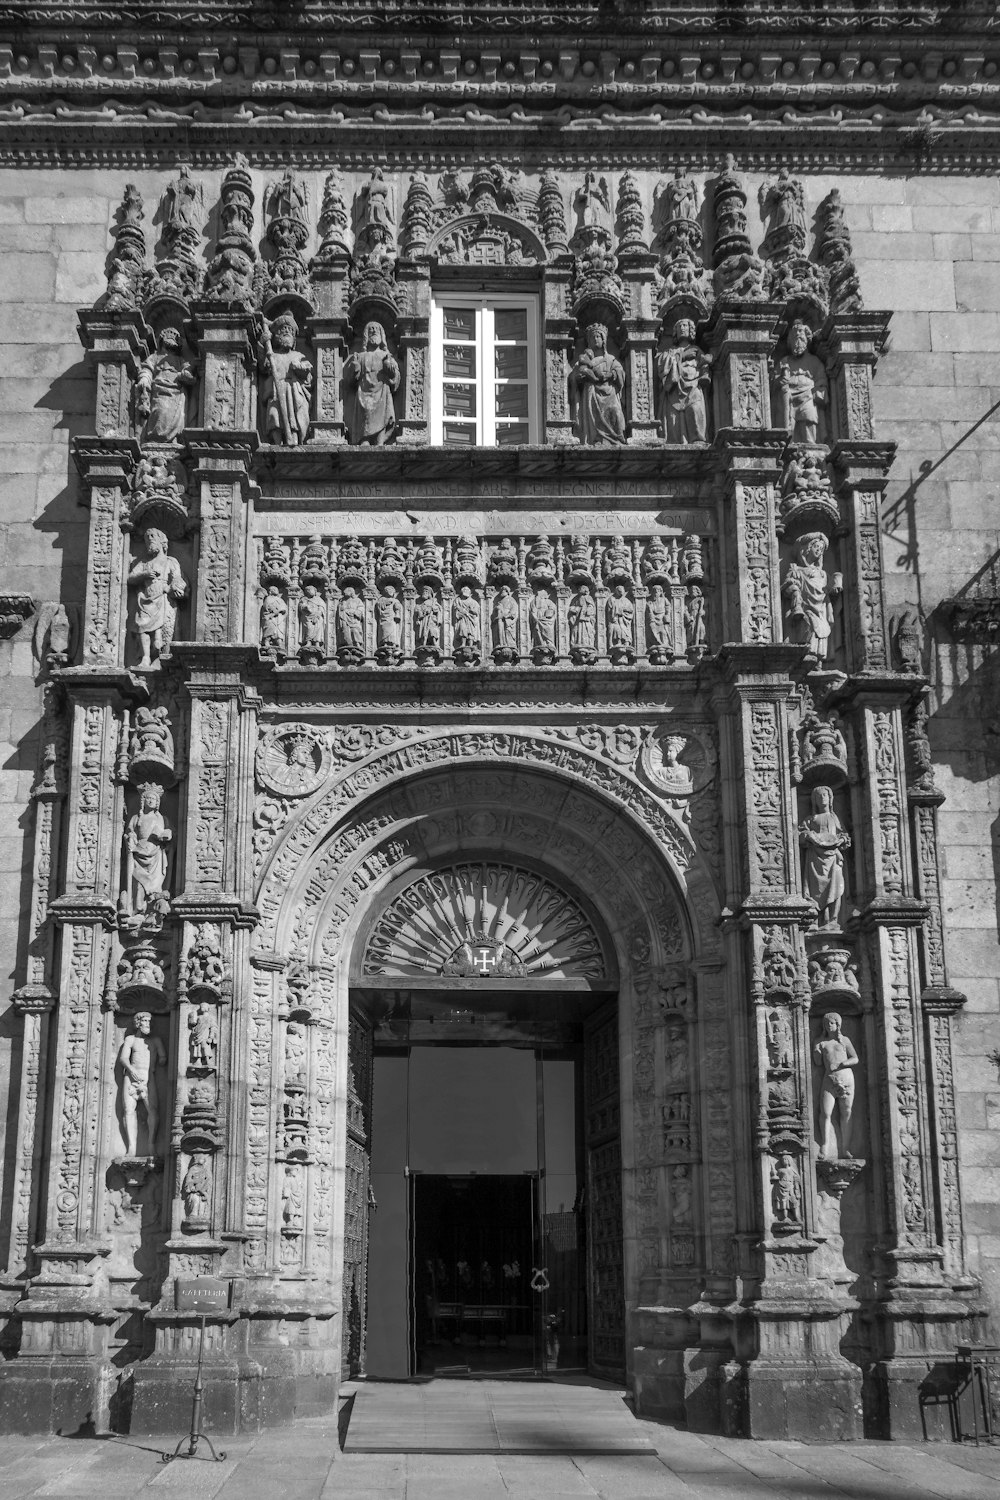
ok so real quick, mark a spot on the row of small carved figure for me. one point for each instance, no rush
(365, 564)
(372, 375)
(470, 624)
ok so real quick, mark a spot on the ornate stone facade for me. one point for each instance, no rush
(340, 689)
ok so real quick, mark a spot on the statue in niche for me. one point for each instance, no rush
(802, 387)
(679, 196)
(196, 1188)
(809, 595)
(291, 1199)
(203, 1036)
(183, 196)
(680, 1195)
(388, 622)
(695, 630)
(621, 624)
(351, 623)
(583, 625)
(161, 586)
(427, 621)
(617, 561)
(542, 615)
(597, 381)
(295, 1054)
(466, 625)
(146, 855)
(288, 384)
(140, 1056)
(161, 390)
(371, 375)
(835, 1054)
(786, 1190)
(659, 625)
(823, 839)
(151, 738)
(779, 1040)
(505, 622)
(312, 621)
(288, 198)
(378, 221)
(684, 373)
(273, 621)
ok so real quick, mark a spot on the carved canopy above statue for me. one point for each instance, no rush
(487, 921)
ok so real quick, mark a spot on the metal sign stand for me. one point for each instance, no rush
(196, 1435)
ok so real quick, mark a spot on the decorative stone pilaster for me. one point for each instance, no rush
(221, 463)
(106, 466)
(116, 344)
(226, 341)
(413, 340)
(559, 328)
(640, 324)
(741, 337)
(752, 600)
(851, 343)
(862, 469)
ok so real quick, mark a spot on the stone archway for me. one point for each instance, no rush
(349, 846)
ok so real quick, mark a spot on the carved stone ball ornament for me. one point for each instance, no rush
(293, 760)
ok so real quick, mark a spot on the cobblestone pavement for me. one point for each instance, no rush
(305, 1463)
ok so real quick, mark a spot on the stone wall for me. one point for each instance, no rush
(928, 248)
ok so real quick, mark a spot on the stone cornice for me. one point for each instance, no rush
(767, 81)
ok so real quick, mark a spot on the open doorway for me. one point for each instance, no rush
(480, 1213)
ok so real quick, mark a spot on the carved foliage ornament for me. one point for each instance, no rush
(485, 920)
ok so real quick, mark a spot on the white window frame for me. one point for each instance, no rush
(484, 304)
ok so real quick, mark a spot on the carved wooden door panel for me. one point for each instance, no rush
(605, 1261)
(357, 1191)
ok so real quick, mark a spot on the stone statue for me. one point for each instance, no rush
(621, 623)
(809, 593)
(695, 630)
(779, 1040)
(583, 624)
(273, 621)
(196, 1188)
(659, 625)
(291, 1198)
(151, 738)
(427, 620)
(679, 196)
(597, 381)
(183, 196)
(542, 615)
(835, 1054)
(287, 385)
(161, 586)
(505, 622)
(785, 199)
(312, 621)
(378, 221)
(680, 1195)
(388, 621)
(786, 1190)
(351, 623)
(908, 639)
(802, 388)
(593, 206)
(146, 858)
(203, 1036)
(140, 1056)
(371, 375)
(295, 1054)
(823, 838)
(161, 390)
(684, 372)
(466, 625)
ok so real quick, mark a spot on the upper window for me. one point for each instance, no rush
(484, 376)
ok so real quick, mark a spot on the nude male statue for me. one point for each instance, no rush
(140, 1056)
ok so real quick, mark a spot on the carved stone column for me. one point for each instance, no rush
(852, 343)
(641, 325)
(227, 347)
(328, 334)
(106, 467)
(862, 469)
(559, 328)
(413, 333)
(221, 464)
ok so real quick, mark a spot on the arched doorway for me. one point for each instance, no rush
(483, 1078)
(398, 812)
